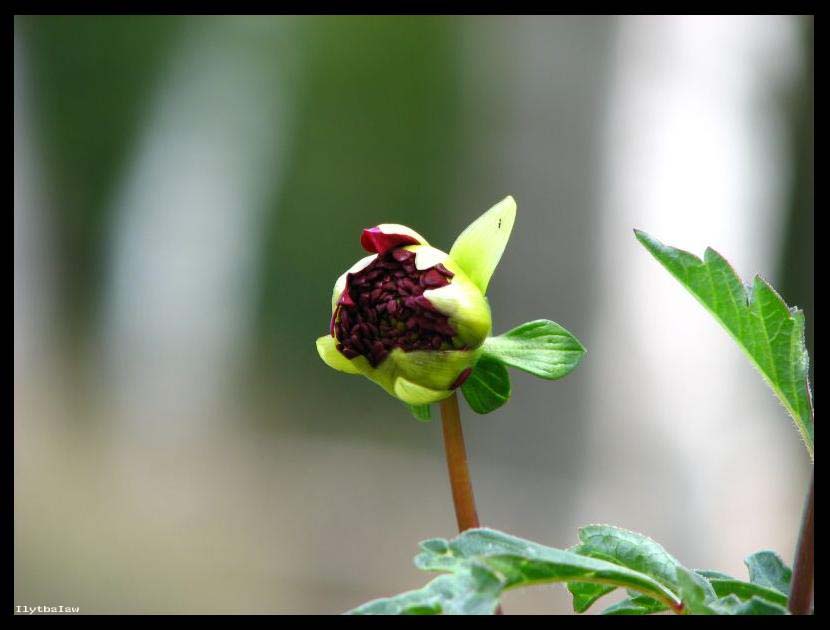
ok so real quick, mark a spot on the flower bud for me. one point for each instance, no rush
(408, 316)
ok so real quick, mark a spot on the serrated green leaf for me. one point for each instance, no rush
(421, 412)
(483, 563)
(630, 549)
(695, 592)
(473, 591)
(769, 333)
(625, 548)
(542, 348)
(767, 569)
(716, 575)
(488, 386)
(746, 590)
(636, 605)
(732, 605)
(585, 594)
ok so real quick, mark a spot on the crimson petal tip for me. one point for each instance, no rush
(375, 241)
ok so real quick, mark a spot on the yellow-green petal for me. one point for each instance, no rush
(464, 303)
(327, 349)
(414, 394)
(478, 249)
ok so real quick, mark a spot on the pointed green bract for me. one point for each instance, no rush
(769, 333)
(542, 348)
(478, 249)
(488, 386)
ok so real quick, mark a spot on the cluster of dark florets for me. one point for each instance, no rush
(383, 307)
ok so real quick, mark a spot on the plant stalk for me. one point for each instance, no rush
(462, 487)
(801, 588)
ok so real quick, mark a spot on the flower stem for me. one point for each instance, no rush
(801, 589)
(462, 487)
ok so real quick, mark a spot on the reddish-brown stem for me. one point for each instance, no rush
(462, 487)
(801, 588)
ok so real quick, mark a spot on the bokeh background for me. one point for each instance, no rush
(187, 189)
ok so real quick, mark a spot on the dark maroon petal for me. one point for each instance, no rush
(402, 255)
(443, 270)
(424, 303)
(433, 279)
(458, 382)
(373, 240)
(382, 308)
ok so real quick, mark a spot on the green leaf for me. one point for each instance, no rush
(716, 575)
(696, 592)
(478, 249)
(746, 590)
(472, 591)
(541, 347)
(585, 594)
(629, 549)
(636, 605)
(488, 386)
(625, 548)
(421, 412)
(482, 563)
(767, 569)
(769, 333)
(732, 605)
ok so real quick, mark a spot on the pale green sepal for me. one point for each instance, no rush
(414, 394)
(478, 249)
(542, 348)
(434, 369)
(422, 413)
(327, 349)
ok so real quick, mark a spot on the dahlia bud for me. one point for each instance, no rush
(411, 317)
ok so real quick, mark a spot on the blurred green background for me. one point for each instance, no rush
(187, 189)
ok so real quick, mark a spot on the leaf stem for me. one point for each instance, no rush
(460, 483)
(801, 590)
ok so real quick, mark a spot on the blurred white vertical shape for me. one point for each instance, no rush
(33, 323)
(695, 154)
(186, 233)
